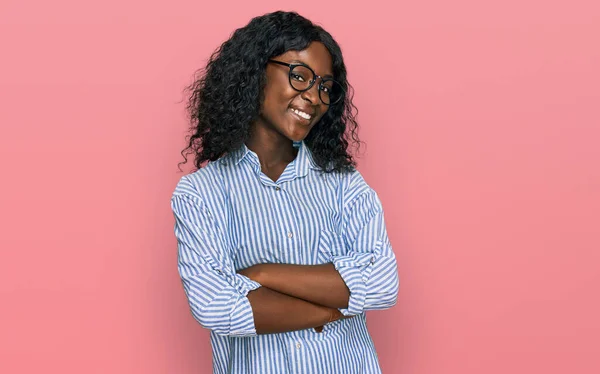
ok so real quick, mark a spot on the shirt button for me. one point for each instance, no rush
(298, 345)
(290, 235)
(373, 259)
(277, 188)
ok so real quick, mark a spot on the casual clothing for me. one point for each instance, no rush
(230, 216)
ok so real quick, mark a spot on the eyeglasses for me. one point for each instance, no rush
(302, 78)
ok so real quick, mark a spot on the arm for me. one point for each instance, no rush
(362, 265)
(275, 312)
(319, 284)
(221, 300)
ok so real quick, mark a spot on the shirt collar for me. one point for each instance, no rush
(303, 162)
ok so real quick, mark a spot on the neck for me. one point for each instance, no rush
(272, 149)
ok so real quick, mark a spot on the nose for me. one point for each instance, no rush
(312, 94)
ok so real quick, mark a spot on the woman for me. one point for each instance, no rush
(282, 245)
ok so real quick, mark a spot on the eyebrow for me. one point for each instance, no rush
(296, 61)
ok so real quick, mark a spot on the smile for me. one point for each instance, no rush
(301, 114)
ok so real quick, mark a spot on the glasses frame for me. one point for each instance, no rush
(291, 66)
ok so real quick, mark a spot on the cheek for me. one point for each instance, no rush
(278, 99)
(323, 110)
(278, 86)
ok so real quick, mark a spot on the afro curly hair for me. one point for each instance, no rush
(226, 100)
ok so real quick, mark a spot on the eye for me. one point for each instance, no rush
(297, 77)
(327, 86)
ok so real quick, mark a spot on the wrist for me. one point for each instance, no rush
(334, 315)
(328, 315)
(253, 272)
(257, 274)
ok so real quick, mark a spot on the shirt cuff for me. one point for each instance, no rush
(355, 269)
(241, 282)
(241, 319)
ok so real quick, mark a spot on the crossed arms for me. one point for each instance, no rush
(360, 275)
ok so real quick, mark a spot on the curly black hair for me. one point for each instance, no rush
(227, 98)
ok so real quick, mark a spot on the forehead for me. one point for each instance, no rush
(315, 55)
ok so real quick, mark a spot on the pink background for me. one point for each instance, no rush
(483, 127)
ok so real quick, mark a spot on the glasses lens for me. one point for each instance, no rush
(331, 91)
(301, 77)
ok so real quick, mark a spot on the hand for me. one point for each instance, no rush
(334, 315)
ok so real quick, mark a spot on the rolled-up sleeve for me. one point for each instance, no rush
(368, 265)
(217, 295)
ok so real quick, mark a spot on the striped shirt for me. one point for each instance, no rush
(229, 216)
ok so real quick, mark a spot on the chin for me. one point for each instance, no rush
(298, 136)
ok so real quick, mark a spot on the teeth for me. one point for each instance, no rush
(301, 114)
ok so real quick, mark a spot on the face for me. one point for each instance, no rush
(289, 113)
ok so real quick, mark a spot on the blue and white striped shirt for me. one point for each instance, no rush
(229, 216)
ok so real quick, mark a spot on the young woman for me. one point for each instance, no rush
(282, 245)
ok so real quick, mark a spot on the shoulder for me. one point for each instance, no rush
(352, 184)
(355, 191)
(350, 187)
(205, 184)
